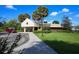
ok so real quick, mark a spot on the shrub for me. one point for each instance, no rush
(44, 31)
(1, 29)
(47, 31)
(36, 31)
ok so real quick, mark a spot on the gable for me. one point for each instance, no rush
(28, 23)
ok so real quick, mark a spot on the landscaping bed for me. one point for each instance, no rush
(9, 41)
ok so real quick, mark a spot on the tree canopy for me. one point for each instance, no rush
(39, 13)
(66, 23)
(22, 17)
(55, 22)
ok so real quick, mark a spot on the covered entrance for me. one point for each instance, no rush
(29, 25)
(30, 29)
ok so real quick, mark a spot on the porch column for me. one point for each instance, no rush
(24, 29)
(33, 29)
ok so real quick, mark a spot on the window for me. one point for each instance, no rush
(27, 23)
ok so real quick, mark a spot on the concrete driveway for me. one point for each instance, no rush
(34, 46)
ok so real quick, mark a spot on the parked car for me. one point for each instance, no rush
(10, 30)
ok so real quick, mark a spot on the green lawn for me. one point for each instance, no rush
(62, 42)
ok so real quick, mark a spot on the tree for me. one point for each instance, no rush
(22, 17)
(45, 21)
(77, 28)
(2, 21)
(55, 22)
(39, 14)
(36, 17)
(11, 23)
(66, 23)
(1, 24)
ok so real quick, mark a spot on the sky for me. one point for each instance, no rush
(55, 12)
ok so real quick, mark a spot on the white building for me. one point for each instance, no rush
(30, 25)
(27, 23)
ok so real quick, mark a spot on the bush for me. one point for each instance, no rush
(47, 31)
(44, 31)
(1, 29)
(36, 31)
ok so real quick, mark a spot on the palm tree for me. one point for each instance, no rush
(36, 17)
(39, 14)
(22, 17)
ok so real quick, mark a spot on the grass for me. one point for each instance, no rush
(62, 42)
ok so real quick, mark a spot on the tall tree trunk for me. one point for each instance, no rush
(42, 26)
(20, 27)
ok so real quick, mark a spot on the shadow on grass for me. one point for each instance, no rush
(63, 47)
(38, 48)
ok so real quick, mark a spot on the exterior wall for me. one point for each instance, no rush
(28, 23)
(55, 29)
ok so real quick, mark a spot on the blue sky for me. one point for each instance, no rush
(56, 12)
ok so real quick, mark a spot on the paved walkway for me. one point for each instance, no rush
(34, 46)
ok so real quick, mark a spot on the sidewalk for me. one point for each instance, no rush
(34, 46)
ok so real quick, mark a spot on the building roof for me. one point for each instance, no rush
(28, 23)
(56, 25)
(46, 25)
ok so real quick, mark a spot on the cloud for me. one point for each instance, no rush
(70, 13)
(77, 15)
(65, 10)
(54, 13)
(70, 18)
(50, 22)
(10, 7)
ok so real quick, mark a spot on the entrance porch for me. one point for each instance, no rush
(29, 29)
